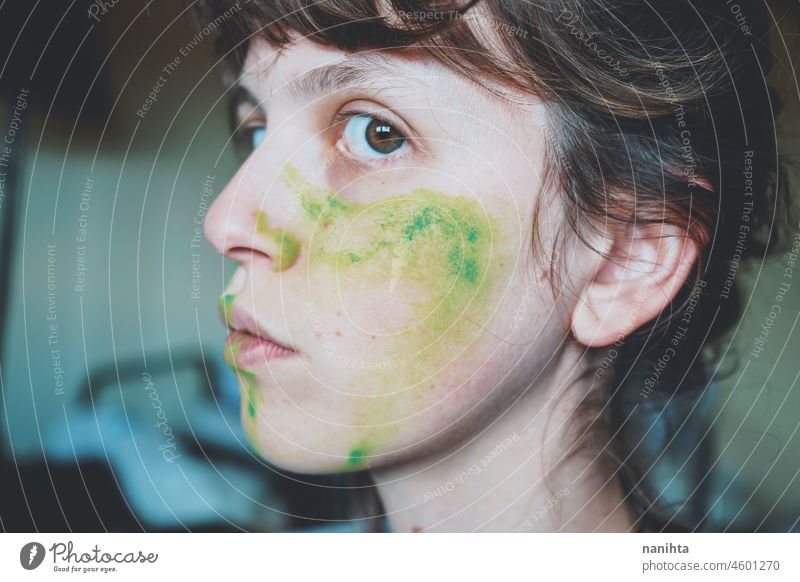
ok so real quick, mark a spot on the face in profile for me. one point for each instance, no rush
(386, 301)
(481, 249)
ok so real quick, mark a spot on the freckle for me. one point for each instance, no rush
(338, 333)
(373, 337)
(416, 529)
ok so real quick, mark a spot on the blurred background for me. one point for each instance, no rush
(117, 412)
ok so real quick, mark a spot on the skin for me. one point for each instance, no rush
(247, 380)
(287, 246)
(423, 314)
(443, 247)
(438, 253)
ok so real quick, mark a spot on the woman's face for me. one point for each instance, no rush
(382, 227)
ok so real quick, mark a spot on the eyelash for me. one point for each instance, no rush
(341, 119)
(243, 136)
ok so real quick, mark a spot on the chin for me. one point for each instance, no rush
(295, 461)
(290, 453)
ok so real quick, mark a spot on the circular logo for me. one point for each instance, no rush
(31, 555)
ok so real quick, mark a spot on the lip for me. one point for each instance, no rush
(250, 342)
(252, 350)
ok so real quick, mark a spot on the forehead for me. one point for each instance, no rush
(303, 60)
(304, 71)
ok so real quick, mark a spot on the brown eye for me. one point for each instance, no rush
(371, 137)
(383, 137)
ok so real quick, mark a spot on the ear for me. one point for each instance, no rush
(640, 276)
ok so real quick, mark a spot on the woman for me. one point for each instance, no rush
(481, 244)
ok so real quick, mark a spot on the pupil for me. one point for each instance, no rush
(383, 138)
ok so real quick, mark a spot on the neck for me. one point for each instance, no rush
(519, 474)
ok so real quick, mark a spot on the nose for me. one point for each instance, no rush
(251, 220)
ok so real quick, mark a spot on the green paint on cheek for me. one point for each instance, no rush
(336, 204)
(315, 201)
(286, 247)
(438, 244)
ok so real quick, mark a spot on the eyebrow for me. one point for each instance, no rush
(362, 71)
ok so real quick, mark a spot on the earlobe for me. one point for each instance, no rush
(633, 284)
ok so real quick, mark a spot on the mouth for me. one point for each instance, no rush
(249, 344)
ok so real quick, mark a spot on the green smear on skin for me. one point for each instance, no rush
(225, 306)
(432, 254)
(251, 406)
(247, 379)
(356, 458)
(436, 243)
(287, 246)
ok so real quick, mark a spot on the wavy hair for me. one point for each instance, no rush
(656, 110)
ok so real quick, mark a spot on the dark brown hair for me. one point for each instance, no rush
(656, 110)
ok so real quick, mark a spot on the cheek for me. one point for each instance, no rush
(414, 270)
(400, 293)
